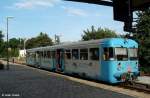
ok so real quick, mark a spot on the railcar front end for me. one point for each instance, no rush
(119, 61)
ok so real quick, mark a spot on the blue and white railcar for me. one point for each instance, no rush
(119, 60)
(112, 60)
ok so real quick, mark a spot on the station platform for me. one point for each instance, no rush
(144, 80)
(22, 81)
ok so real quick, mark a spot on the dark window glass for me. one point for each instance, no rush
(53, 54)
(94, 53)
(108, 54)
(67, 54)
(133, 53)
(33, 55)
(27, 54)
(121, 54)
(45, 54)
(42, 54)
(48, 54)
(83, 54)
(75, 54)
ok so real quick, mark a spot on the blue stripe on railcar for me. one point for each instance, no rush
(119, 42)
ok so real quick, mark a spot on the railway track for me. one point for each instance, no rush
(141, 87)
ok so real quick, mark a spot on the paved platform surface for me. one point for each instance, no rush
(144, 80)
(26, 82)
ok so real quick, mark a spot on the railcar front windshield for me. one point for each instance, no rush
(132, 53)
(121, 54)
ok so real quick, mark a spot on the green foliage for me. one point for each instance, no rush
(143, 37)
(1, 43)
(14, 44)
(21, 43)
(41, 40)
(1, 36)
(146, 70)
(98, 34)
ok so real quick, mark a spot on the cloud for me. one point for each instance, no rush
(75, 11)
(30, 4)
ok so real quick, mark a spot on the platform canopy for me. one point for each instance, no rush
(136, 4)
(140, 4)
(122, 9)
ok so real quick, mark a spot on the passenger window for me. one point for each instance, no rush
(48, 54)
(68, 54)
(108, 54)
(27, 54)
(83, 54)
(37, 54)
(33, 55)
(53, 54)
(41, 54)
(45, 55)
(121, 54)
(75, 54)
(94, 53)
(133, 53)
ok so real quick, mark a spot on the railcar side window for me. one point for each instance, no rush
(36, 54)
(45, 54)
(53, 54)
(33, 55)
(94, 53)
(75, 54)
(83, 54)
(48, 54)
(132, 52)
(68, 54)
(42, 54)
(121, 54)
(108, 54)
(27, 54)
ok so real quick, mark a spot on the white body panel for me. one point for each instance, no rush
(46, 63)
(83, 67)
(30, 61)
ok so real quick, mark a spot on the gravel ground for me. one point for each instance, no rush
(26, 82)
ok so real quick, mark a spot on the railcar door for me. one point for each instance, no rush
(107, 56)
(59, 60)
(37, 59)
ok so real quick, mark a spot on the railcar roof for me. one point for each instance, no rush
(62, 45)
(79, 43)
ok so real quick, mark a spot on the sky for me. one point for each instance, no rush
(64, 18)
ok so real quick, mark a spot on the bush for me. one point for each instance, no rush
(146, 70)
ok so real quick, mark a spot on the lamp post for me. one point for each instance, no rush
(7, 18)
(24, 46)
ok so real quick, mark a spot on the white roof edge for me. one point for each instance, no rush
(67, 44)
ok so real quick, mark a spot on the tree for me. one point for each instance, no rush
(14, 44)
(21, 43)
(1, 36)
(41, 40)
(98, 34)
(1, 43)
(142, 36)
